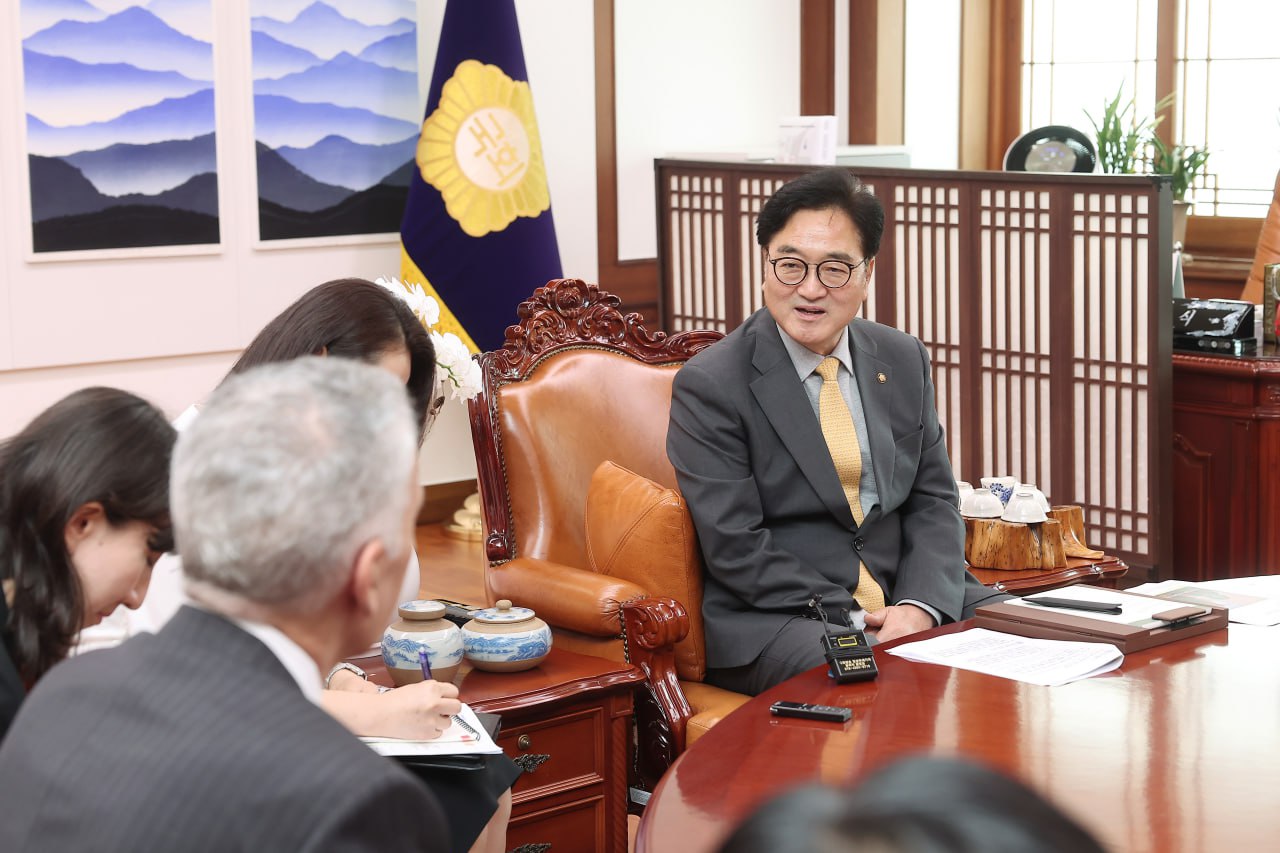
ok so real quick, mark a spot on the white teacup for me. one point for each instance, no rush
(981, 503)
(964, 489)
(1024, 508)
(1040, 498)
(1001, 487)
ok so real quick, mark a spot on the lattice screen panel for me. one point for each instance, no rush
(1111, 241)
(1014, 334)
(925, 240)
(696, 216)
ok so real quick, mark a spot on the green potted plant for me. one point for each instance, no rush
(1125, 141)
(1121, 136)
(1183, 164)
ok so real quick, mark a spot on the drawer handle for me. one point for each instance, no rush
(532, 848)
(531, 762)
(524, 742)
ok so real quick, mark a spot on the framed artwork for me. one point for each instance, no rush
(336, 114)
(120, 123)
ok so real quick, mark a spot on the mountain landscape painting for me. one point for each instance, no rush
(336, 114)
(120, 123)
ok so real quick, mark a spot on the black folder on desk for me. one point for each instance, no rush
(1048, 624)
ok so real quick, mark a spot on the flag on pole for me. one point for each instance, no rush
(477, 231)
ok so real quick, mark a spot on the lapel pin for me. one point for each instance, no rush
(881, 378)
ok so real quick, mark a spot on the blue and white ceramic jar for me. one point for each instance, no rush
(421, 627)
(503, 638)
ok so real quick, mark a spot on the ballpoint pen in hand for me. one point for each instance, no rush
(426, 676)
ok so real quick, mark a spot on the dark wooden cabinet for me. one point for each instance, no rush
(566, 723)
(1226, 465)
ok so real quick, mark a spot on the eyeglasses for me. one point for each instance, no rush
(831, 273)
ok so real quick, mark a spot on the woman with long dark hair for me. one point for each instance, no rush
(351, 318)
(84, 514)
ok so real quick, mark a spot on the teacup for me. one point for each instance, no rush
(981, 503)
(1039, 495)
(1001, 487)
(1024, 508)
(964, 490)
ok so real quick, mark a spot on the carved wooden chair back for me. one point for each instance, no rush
(576, 383)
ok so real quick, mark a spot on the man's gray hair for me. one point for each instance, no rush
(288, 471)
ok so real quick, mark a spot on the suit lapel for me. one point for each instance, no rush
(876, 396)
(781, 397)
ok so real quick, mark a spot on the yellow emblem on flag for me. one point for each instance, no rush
(480, 149)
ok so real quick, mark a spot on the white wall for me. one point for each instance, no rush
(706, 76)
(168, 325)
(931, 83)
(714, 75)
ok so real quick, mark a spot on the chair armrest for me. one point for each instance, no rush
(653, 627)
(564, 596)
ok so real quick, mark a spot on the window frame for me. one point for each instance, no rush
(1217, 237)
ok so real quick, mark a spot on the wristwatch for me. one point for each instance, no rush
(349, 667)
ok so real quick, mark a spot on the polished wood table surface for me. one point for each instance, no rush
(562, 675)
(1178, 750)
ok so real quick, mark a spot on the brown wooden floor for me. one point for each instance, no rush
(451, 568)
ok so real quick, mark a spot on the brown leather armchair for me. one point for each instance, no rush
(1268, 251)
(582, 521)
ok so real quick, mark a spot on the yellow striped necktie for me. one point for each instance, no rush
(846, 453)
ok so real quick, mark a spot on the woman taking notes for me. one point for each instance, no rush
(84, 514)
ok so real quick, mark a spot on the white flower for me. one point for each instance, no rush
(427, 309)
(453, 360)
(424, 307)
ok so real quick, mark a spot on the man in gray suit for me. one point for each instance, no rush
(787, 504)
(294, 496)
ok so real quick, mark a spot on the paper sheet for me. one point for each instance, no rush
(1249, 601)
(455, 740)
(1046, 662)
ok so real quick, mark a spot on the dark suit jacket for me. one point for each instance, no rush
(197, 739)
(772, 519)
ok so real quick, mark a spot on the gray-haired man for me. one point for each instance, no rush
(294, 498)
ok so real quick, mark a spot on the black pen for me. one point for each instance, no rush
(1075, 604)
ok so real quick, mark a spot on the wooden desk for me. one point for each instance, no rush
(1178, 750)
(1226, 465)
(566, 723)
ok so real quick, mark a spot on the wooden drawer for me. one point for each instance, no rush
(577, 827)
(557, 753)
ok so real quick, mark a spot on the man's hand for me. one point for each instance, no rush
(898, 620)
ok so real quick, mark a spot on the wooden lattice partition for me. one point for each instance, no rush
(1043, 299)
